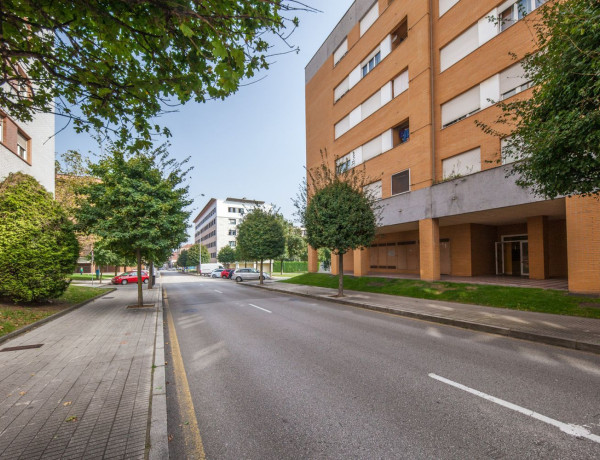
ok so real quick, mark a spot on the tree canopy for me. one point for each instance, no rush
(197, 254)
(336, 211)
(555, 134)
(260, 236)
(38, 248)
(121, 63)
(183, 259)
(137, 206)
(227, 255)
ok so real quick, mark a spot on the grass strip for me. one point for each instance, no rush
(516, 298)
(13, 317)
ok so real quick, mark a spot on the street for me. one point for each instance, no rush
(274, 376)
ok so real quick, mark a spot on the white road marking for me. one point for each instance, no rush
(220, 292)
(568, 428)
(263, 309)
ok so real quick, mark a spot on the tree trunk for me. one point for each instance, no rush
(282, 266)
(260, 276)
(341, 275)
(151, 278)
(138, 255)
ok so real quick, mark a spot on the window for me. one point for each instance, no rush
(374, 190)
(370, 65)
(400, 133)
(513, 80)
(399, 34)
(232, 221)
(22, 143)
(462, 164)
(369, 18)
(1, 129)
(232, 232)
(517, 11)
(445, 5)
(464, 44)
(232, 244)
(341, 89)
(340, 52)
(401, 83)
(460, 107)
(509, 148)
(401, 182)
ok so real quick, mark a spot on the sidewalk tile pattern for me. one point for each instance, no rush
(85, 393)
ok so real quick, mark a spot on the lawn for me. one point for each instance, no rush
(14, 317)
(529, 299)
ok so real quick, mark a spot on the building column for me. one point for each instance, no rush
(361, 258)
(583, 244)
(537, 235)
(334, 264)
(429, 247)
(313, 260)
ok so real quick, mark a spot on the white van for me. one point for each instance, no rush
(205, 269)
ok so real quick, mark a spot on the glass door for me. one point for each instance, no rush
(499, 258)
(524, 258)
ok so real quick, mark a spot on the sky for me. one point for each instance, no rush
(253, 144)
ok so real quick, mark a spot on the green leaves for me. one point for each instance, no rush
(260, 235)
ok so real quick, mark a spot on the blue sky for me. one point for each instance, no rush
(252, 144)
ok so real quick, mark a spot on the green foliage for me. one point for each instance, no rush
(119, 62)
(137, 207)
(290, 266)
(556, 132)
(38, 248)
(184, 259)
(227, 255)
(260, 236)
(205, 255)
(193, 254)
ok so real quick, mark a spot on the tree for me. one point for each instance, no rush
(121, 63)
(336, 212)
(103, 255)
(556, 133)
(137, 206)
(260, 237)
(38, 248)
(295, 245)
(198, 254)
(226, 255)
(183, 259)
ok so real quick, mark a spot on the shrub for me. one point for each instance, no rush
(38, 248)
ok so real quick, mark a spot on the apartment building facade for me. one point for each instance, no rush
(396, 88)
(215, 226)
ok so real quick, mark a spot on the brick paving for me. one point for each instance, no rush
(86, 392)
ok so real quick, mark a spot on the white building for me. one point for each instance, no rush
(28, 147)
(216, 225)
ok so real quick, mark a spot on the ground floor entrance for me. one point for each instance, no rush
(512, 256)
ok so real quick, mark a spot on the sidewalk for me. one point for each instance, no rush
(85, 393)
(565, 331)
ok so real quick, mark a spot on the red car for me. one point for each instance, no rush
(227, 273)
(130, 277)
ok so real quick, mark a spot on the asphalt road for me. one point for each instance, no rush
(279, 377)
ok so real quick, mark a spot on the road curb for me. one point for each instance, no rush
(43, 321)
(474, 326)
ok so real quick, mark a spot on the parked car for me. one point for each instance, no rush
(227, 273)
(207, 269)
(130, 277)
(242, 274)
(216, 273)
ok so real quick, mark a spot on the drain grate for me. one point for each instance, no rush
(22, 347)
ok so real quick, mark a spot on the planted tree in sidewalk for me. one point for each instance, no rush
(554, 135)
(295, 244)
(137, 206)
(198, 254)
(183, 259)
(336, 211)
(38, 247)
(260, 237)
(123, 63)
(227, 255)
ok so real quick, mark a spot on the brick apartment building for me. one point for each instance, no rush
(397, 86)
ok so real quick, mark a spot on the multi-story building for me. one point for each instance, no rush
(216, 225)
(397, 87)
(28, 147)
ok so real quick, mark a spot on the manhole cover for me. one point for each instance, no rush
(22, 347)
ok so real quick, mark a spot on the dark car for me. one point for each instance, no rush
(227, 273)
(130, 277)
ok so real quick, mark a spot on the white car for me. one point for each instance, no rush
(242, 274)
(216, 273)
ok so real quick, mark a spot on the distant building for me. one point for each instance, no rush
(216, 225)
(28, 147)
(173, 259)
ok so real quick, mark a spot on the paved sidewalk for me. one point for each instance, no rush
(565, 331)
(85, 393)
